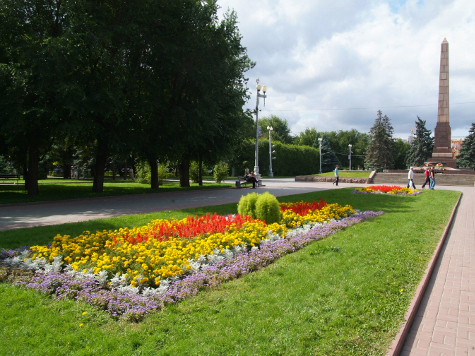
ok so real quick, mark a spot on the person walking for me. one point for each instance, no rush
(427, 174)
(432, 178)
(337, 176)
(410, 178)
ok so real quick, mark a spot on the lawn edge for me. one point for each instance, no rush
(398, 342)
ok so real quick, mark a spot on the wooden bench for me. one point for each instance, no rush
(10, 177)
(243, 183)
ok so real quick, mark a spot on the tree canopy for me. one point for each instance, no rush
(421, 146)
(380, 153)
(153, 78)
(281, 130)
(466, 156)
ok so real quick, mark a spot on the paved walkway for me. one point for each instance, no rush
(445, 322)
(15, 216)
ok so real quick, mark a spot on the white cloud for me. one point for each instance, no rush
(333, 65)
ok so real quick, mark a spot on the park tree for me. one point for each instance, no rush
(33, 42)
(281, 130)
(421, 146)
(210, 122)
(380, 153)
(307, 137)
(466, 156)
(402, 148)
(329, 159)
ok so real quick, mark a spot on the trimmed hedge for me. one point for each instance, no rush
(291, 160)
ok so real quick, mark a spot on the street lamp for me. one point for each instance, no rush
(259, 95)
(271, 174)
(320, 144)
(350, 145)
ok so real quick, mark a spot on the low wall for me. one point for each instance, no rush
(451, 178)
(331, 179)
(441, 178)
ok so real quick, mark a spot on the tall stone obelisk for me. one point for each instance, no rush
(443, 133)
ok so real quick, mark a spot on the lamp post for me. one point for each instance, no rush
(350, 145)
(259, 95)
(271, 174)
(320, 145)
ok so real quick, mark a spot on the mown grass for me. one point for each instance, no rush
(345, 295)
(61, 189)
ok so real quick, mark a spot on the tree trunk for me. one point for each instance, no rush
(200, 172)
(25, 172)
(185, 173)
(101, 161)
(113, 170)
(153, 172)
(32, 177)
(66, 170)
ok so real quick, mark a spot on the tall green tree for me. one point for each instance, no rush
(466, 156)
(307, 137)
(402, 148)
(381, 152)
(421, 146)
(32, 51)
(281, 130)
(329, 158)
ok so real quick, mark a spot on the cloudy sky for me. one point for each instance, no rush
(331, 64)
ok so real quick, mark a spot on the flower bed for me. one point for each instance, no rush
(131, 272)
(385, 189)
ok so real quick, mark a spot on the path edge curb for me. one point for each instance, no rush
(398, 342)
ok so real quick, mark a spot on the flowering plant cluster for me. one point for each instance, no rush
(384, 189)
(129, 272)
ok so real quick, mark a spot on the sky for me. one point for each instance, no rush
(332, 64)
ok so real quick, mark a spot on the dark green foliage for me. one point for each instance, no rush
(267, 208)
(421, 147)
(329, 158)
(247, 205)
(153, 79)
(281, 130)
(402, 147)
(466, 156)
(381, 150)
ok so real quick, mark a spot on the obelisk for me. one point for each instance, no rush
(442, 152)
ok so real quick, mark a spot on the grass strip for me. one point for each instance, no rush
(344, 295)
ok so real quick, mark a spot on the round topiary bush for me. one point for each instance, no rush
(267, 208)
(247, 205)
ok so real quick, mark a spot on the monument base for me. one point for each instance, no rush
(451, 163)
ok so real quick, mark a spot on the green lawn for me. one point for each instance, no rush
(59, 189)
(345, 295)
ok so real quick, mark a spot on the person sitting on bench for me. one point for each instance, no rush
(246, 174)
(252, 178)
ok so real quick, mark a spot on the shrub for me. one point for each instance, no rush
(145, 176)
(247, 205)
(220, 171)
(194, 171)
(263, 207)
(267, 208)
